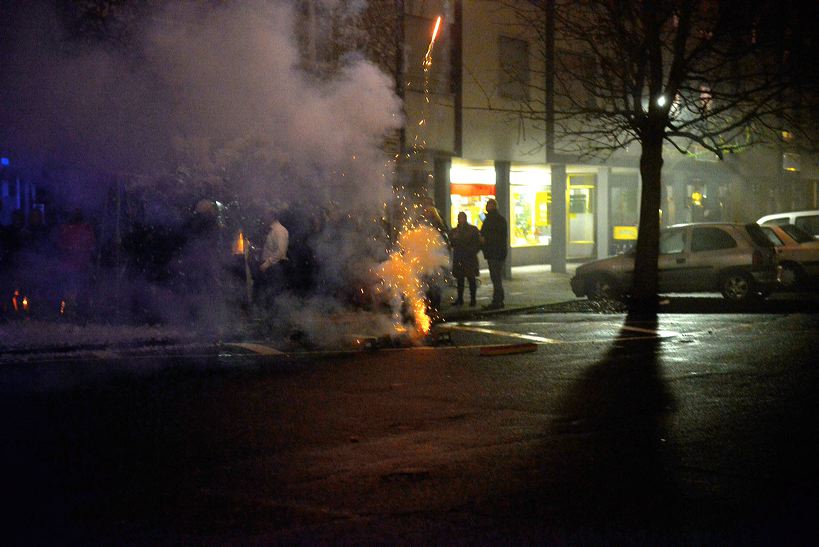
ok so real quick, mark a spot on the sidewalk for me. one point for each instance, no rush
(530, 287)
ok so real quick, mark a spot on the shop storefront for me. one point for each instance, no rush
(530, 212)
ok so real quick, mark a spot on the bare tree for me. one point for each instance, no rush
(711, 76)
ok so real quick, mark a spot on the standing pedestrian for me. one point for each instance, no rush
(495, 234)
(466, 242)
(75, 244)
(274, 254)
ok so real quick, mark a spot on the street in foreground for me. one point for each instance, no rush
(697, 429)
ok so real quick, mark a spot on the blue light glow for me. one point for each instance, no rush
(4, 161)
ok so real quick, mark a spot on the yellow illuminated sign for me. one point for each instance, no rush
(625, 232)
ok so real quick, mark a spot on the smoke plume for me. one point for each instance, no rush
(204, 101)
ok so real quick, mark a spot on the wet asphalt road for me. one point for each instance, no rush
(694, 429)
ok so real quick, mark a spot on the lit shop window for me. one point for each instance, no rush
(470, 199)
(530, 215)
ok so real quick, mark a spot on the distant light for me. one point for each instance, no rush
(4, 161)
(661, 100)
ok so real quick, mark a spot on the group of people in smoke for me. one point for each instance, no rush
(304, 250)
(48, 264)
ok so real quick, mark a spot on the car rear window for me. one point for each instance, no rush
(779, 221)
(798, 234)
(757, 235)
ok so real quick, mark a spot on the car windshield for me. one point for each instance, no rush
(798, 234)
(772, 236)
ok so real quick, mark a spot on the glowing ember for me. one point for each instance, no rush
(62, 307)
(25, 303)
(239, 244)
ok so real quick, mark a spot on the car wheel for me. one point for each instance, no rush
(791, 276)
(737, 286)
(602, 287)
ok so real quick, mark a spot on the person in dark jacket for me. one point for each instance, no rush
(495, 234)
(466, 242)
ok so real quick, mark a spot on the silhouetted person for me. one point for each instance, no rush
(430, 216)
(10, 237)
(75, 249)
(39, 233)
(495, 234)
(466, 242)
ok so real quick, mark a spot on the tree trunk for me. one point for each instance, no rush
(644, 290)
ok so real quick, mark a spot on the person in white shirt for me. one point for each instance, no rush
(272, 278)
(275, 245)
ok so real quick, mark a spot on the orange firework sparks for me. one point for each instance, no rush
(421, 252)
(428, 56)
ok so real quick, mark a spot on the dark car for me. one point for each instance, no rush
(737, 260)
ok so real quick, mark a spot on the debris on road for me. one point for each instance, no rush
(508, 349)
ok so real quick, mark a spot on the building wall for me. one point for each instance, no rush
(493, 126)
(494, 131)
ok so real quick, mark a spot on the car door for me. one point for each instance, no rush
(671, 262)
(710, 250)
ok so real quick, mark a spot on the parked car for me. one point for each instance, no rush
(806, 220)
(798, 254)
(737, 260)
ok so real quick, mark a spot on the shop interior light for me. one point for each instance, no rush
(471, 175)
(531, 177)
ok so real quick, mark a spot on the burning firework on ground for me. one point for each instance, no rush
(419, 256)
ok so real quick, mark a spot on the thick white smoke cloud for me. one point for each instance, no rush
(234, 74)
(215, 88)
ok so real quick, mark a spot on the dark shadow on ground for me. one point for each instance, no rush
(605, 474)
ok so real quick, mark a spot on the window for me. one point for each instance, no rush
(711, 239)
(576, 79)
(809, 223)
(772, 236)
(672, 241)
(514, 63)
(530, 214)
(798, 234)
(779, 221)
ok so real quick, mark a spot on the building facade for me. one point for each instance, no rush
(469, 137)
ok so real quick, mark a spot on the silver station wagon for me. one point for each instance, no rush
(737, 260)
